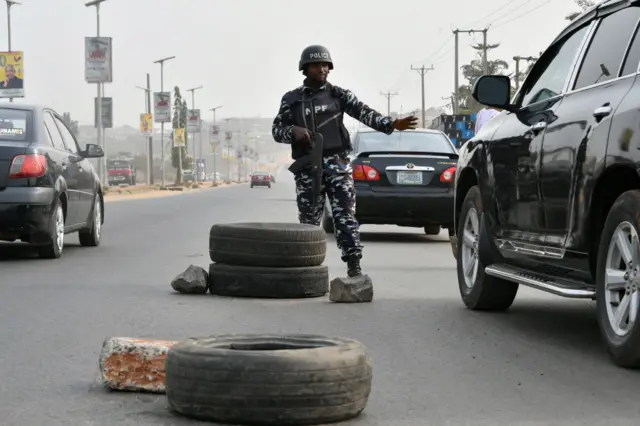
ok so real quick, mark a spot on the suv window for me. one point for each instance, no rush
(69, 140)
(550, 81)
(633, 57)
(56, 137)
(602, 61)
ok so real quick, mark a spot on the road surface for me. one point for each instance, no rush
(435, 363)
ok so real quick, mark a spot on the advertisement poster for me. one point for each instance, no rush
(98, 67)
(146, 124)
(11, 75)
(193, 122)
(178, 138)
(107, 113)
(162, 107)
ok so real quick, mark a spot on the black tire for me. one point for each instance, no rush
(251, 186)
(486, 293)
(90, 237)
(269, 186)
(267, 244)
(327, 222)
(624, 350)
(53, 250)
(265, 282)
(269, 380)
(432, 229)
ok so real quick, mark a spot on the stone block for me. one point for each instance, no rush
(194, 280)
(351, 290)
(130, 364)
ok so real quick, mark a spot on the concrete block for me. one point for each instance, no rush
(130, 364)
(351, 290)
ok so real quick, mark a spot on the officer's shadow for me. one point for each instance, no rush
(372, 236)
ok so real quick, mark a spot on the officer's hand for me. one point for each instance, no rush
(302, 135)
(410, 122)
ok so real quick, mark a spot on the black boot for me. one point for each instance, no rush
(353, 266)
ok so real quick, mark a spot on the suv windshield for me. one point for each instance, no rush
(15, 124)
(118, 164)
(403, 141)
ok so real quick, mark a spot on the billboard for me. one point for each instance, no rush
(178, 138)
(193, 121)
(146, 124)
(162, 107)
(107, 113)
(98, 66)
(11, 75)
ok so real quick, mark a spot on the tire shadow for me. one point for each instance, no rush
(18, 251)
(400, 237)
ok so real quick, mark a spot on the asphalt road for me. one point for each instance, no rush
(435, 363)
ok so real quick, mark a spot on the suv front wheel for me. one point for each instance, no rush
(618, 281)
(478, 290)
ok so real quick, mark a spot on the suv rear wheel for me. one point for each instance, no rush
(618, 281)
(478, 290)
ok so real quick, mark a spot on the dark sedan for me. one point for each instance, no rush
(260, 179)
(48, 188)
(404, 179)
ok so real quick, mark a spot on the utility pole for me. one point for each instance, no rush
(389, 95)
(518, 59)
(193, 108)
(161, 62)
(147, 101)
(214, 145)
(422, 71)
(9, 4)
(456, 71)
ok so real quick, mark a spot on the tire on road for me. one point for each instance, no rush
(269, 380)
(622, 224)
(483, 292)
(55, 245)
(268, 282)
(267, 244)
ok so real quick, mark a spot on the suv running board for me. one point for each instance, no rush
(557, 286)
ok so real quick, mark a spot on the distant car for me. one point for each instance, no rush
(260, 179)
(121, 171)
(48, 188)
(188, 176)
(403, 179)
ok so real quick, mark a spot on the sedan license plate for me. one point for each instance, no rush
(409, 178)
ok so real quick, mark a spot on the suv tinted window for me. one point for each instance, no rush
(633, 57)
(550, 82)
(602, 61)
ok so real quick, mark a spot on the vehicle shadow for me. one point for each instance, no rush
(11, 252)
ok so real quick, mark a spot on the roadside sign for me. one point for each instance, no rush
(146, 124)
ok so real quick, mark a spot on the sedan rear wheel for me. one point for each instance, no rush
(90, 237)
(53, 250)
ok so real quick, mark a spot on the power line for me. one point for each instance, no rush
(522, 14)
(490, 14)
(388, 94)
(422, 71)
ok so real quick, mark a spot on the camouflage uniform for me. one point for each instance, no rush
(337, 179)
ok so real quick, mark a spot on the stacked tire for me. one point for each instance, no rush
(268, 260)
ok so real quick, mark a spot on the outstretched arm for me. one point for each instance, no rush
(363, 113)
(282, 128)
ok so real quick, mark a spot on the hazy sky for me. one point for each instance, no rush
(245, 52)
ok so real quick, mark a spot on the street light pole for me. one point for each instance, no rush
(214, 145)
(161, 62)
(9, 4)
(193, 108)
(102, 164)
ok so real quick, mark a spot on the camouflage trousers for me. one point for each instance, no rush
(338, 187)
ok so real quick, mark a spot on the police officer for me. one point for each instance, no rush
(291, 127)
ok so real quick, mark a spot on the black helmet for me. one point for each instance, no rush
(313, 55)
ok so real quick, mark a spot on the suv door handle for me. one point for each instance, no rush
(538, 127)
(602, 112)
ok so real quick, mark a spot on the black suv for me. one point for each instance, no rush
(548, 191)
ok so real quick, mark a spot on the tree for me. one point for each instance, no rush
(179, 122)
(472, 72)
(583, 5)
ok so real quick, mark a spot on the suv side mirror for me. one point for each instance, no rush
(494, 90)
(93, 151)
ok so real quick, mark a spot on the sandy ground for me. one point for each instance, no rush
(143, 192)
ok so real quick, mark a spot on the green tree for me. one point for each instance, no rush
(583, 5)
(472, 72)
(179, 122)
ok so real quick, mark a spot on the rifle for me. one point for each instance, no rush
(313, 159)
